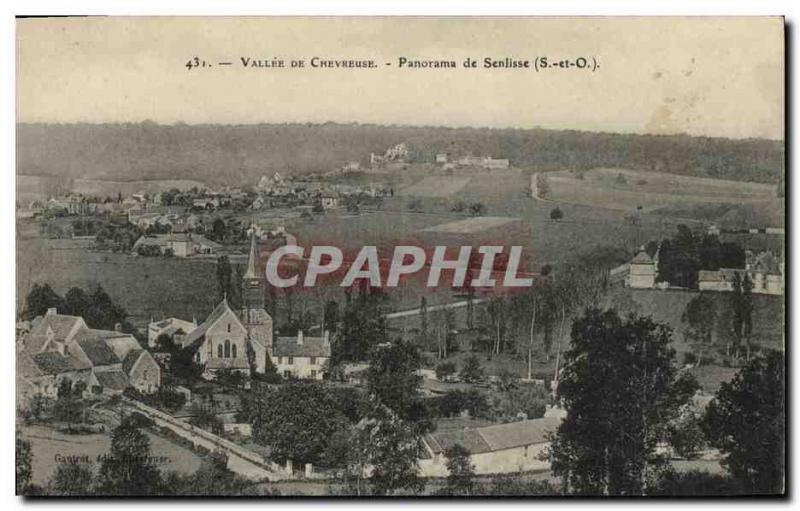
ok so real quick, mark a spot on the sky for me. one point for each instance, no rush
(702, 76)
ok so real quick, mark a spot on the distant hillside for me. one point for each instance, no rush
(217, 153)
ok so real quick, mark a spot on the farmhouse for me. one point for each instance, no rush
(764, 271)
(639, 273)
(495, 449)
(61, 347)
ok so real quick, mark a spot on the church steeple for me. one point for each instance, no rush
(252, 280)
(251, 272)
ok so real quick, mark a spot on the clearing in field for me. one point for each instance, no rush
(436, 186)
(472, 225)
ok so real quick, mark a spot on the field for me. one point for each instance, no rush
(471, 225)
(632, 190)
(144, 286)
(46, 444)
(436, 186)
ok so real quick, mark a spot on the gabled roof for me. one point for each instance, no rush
(130, 360)
(515, 434)
(52, 362)
(114, 380)
(61, 325)
(97, 351)
(311, 347)
(642, 258)
(496, 437)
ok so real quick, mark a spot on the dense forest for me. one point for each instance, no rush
(245, 152)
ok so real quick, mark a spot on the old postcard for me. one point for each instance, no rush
(403, 256)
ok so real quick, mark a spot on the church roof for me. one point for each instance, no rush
(200, 331)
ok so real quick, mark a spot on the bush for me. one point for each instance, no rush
(444, 370)
(455, 401)
(689, 358)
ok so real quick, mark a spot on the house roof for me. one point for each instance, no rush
(52, 362)
(515, 434)
(708, 276)
(98, 352)
(130, 360)
(123, 345)
(61, 324)
(311, 347)
(114, 380)
(497, 437)
(642, 258)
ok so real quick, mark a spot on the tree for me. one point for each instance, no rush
(218, 229)
(460, 471)
(128, 468)
(747, 422)
(39, 299)
(72, 479)
(393, 381)
(224, 276)
(619, 385)
(296, 420)
(23, 461)
(477, 209)
(472, 372)
(390, 447)
(699, 315)
(556, 214)
(742, 308)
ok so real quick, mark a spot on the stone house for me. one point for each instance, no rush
(61, 346)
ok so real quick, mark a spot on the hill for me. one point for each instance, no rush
(242, 153)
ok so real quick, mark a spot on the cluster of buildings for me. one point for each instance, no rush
(764, 270)
(242, 340)
(60, 347)
(274, 188)
(178, 244)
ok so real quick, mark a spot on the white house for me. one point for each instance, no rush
(302, 356)
(496, 449)
(170, 327)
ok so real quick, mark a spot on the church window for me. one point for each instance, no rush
(227, 348)
(291, 360)
(229, 327)
(313, 360)
(233, 351)
(219, 351)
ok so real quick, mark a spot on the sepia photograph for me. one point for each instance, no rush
(414, 256)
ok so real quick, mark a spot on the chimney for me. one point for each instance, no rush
(326, 337)
(52, 311)
(300, 337)
(118, 327)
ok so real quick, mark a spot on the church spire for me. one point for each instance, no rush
(251, 272)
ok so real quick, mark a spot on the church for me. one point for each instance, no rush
(241, 340)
